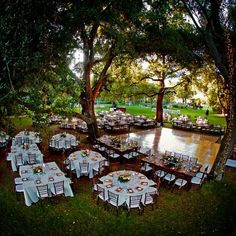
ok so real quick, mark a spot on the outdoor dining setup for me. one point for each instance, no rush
(125, 188)
(119, 148)
(176, 169)
(42, 181)
(26, 136)
(85, 162)
(124, 172)
(25, 150)
(201, 124)
(24, 154)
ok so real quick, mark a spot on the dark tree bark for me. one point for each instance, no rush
(159, 108)
(218, 39)
(89, 94)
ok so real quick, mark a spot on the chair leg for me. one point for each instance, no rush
(117, 211)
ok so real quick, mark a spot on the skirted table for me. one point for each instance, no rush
(92, 158)
(126, 183)
(37, 175)
(30, 137)
(24, 151)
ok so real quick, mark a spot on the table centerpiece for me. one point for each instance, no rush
(170, 160)
(123, 178)
(63, 135)
(85, 153)
(37, 169)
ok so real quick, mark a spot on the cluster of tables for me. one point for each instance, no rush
(34, 175)
(201, 125)
(118, 120)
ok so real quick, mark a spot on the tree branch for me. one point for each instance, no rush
(9, 75)
(102, 78)
(191, 16)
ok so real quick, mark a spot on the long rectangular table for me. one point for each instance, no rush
(119, 148)
(181, 171)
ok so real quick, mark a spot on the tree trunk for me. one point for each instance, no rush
(229, 139)
(159, 109)
(90, 118)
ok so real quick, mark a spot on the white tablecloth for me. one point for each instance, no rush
(63, 140)
(20, 149)
(93, 159)
(139, 184)
(3, 139)
(51, 174)
(26, 137)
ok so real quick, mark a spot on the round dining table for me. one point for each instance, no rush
(25, 151)
(63, 141)
(26, 136)
(126, 183)
(85, 156)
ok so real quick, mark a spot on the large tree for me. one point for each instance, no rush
(102, 27)
(215, 21)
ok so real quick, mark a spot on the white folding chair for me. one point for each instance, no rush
(84, 168)
(169, 177)
(135, 203)
(179, 183)
(113, 199)
(59, 188)
(42, 191)
(150, 199)
(19, 160)
(100, 194)
(200, 177)
(31, 158)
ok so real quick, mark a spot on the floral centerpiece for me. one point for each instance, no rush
(123, 178)
(116, 141)
(171, 160)
(63, 135)
(37, 169)
(26, 132)
(85, 153)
